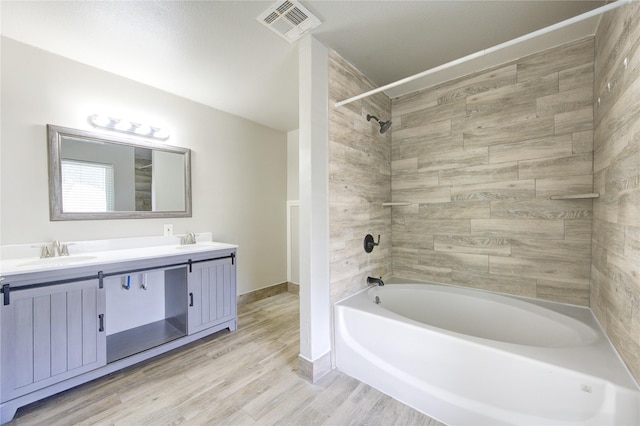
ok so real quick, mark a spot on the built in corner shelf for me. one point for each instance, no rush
(575, 196)
(399, 203)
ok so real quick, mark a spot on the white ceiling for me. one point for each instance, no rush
(216, 53)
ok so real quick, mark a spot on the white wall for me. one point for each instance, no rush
(294, 244)
(238, 167)
(315, 310)
(293, 165)
(293, 196)
(168, 181)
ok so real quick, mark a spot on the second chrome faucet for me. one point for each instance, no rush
(189, 238)
(54, 249)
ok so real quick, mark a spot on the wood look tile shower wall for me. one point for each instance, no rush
(479, 158)
(615, 270)
(359, 181)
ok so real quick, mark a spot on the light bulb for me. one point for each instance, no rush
(123, 125)
(143, 129)
(100, 120)
(161, 134)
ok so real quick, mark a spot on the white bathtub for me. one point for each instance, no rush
(468, 357)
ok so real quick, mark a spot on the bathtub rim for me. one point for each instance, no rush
(574, 318)
(549, 304)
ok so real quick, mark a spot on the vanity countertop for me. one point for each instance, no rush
(83, 258)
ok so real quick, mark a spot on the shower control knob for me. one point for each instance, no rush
(369, 244)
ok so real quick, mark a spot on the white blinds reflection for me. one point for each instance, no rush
(87, 186)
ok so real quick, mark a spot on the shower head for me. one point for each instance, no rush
(384, 125)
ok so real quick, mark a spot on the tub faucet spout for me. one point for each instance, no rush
(371, 280)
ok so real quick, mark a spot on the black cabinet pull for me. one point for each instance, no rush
(101, 320)
(6, 289)
(190, 299)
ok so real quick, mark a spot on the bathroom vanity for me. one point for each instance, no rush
(70, 319)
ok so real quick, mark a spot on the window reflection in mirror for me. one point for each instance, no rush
(97, 176)
(87, 186)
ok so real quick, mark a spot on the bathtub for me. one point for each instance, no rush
(469, 357)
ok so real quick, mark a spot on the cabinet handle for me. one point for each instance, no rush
(190, 299)
(6, 289)
(101, 321)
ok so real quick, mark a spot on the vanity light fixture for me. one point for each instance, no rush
(126, 126)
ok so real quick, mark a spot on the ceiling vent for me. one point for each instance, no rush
(289, 19)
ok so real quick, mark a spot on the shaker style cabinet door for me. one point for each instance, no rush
(49, 334)
(211, 294)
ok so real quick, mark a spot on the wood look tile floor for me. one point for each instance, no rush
(248, 377)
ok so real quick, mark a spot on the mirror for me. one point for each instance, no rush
(100, 176)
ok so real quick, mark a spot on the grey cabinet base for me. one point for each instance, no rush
(8, 408)
(130, 342)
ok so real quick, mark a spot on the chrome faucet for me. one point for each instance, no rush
(371, 280)
(189, 238)
(55, 249)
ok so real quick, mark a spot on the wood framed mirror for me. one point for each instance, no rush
(104, 176)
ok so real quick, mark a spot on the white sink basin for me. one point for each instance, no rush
(58, 261)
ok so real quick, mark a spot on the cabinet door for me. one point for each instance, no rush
(50, 334)
(212, 294)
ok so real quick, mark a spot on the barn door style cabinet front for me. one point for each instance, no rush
(51, 333)
(212, 293)
(65, 327)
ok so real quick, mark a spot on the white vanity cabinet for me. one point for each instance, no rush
(55, 329)
(212, 293)
(49, 334)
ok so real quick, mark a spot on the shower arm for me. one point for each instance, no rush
(384, 125)
(370, 117)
